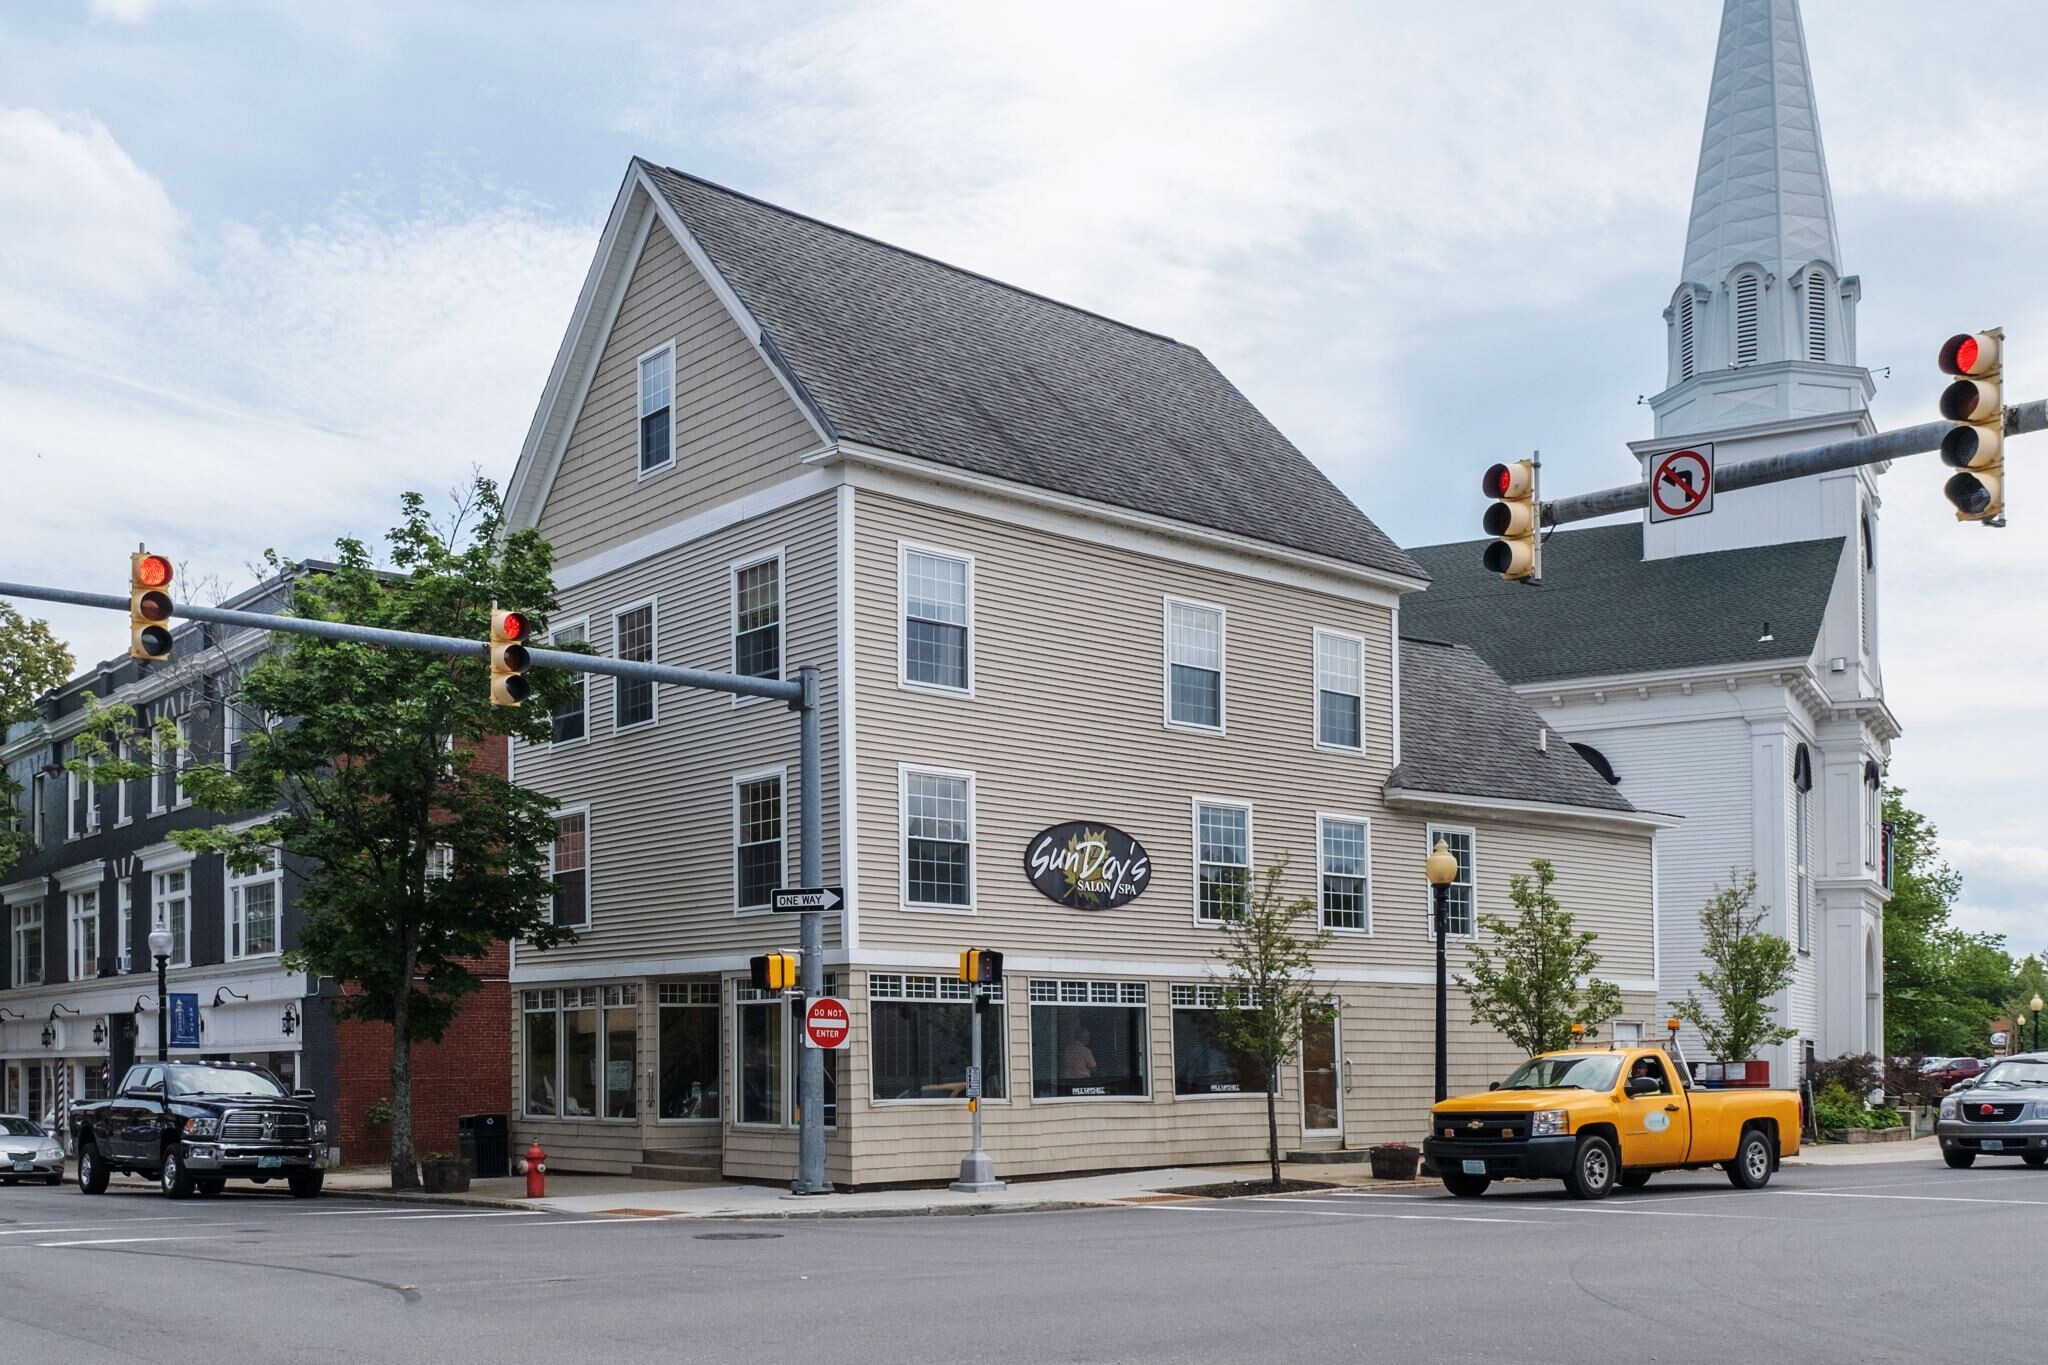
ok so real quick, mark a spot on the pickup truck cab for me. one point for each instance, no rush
(194, 1126)
(1602, 1118)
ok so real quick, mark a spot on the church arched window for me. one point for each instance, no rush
(1817, 315)
(1802, 834)
(1867, 581)
(1749, 300)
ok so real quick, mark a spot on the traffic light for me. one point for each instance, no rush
(775, 971)
(149, 606)
(509, 660)
(1512, 519)
(1975, 449)
(981, 966)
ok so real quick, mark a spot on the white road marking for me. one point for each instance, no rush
(614, 1221)
(400, 1211)
(1910, 1198)
(122, 1241)
(490, 1213)
(1333, 1213)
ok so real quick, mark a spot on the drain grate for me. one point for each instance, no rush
(737, 1236)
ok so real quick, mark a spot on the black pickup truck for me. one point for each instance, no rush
(194, 1126)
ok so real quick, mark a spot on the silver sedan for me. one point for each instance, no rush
(28, 1153)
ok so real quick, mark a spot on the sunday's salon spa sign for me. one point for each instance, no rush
(1088, 866)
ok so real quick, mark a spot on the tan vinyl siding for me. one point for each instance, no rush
(734, 426)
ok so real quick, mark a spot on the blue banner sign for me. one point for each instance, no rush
(184, 1019)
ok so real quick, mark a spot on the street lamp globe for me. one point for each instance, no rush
(1442, 866)
(2035, 1004)
(160, 942)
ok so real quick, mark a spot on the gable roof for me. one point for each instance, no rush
(1464, 731)
(1603, 610)
(901, 352)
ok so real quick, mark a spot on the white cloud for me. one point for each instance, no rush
(123, 11)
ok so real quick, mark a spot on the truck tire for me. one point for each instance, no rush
(92, 1172)
(1751, 1168)
(1595, 1171)
(2035, 1159)
(210, 1187)
(306, 1186)
(1634, 1180)
(1961, 1161)
(1465, 1186)
(172, 1177)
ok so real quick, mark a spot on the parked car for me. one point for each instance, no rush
(194, 1126)
(1928, 1064)
(28, 1153)
(2003, 1112)
(1957, 1070)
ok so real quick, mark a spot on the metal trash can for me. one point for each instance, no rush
(486, 1144)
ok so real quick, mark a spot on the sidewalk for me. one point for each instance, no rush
(1866, 1153)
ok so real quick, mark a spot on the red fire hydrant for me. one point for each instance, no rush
(534, 1166)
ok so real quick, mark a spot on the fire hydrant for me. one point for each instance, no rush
(534, 1166)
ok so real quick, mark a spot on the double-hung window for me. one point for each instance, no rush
(163, 759)
(171, 907)
(758, 857)
(1340, 691)
(81, 806)
(1344, 873)
(180, 759)
(764, 1048)
(1223, 860)
(938, 838)
(568, 724)
(252, 909)
(1088, 1039)
(688, 1050)
(1204, 1062)
(657, 407)
(633, 701)
(757, 618)
(25, 932)
(569, 867)
(1194, 665)
(1461, 909)
(923, 1035)
(85, 934)
(937, 590)
(581, 1053)
(124, 925)
(122, 813)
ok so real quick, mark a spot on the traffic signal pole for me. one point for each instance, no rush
(1795, 464)
(810, 1079)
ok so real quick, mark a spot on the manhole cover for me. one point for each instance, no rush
(737, 1236)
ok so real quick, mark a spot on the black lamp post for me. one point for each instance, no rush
(1442, 870)
(160, 949)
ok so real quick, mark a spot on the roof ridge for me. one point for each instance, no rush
(917, 255)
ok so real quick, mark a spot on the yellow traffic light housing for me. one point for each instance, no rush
(509, 659)
(981, 966)
(149, 606)
(1975, 448)
(1513, 519)
(775, 971)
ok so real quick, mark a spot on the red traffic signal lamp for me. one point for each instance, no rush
(1975, 447)
(509, 659)
(149, 606)
(1513, 520)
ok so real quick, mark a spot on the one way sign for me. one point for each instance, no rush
(794, 899)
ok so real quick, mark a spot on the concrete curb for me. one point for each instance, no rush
(435, 1200)
(926, 1211)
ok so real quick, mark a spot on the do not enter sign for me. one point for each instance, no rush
(1682, 483)
(827, 1023)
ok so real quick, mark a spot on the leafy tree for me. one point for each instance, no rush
(1534, 980)
(1269, 964)
(1942, 984)
(416, 859)
(1746, 968)
(32, 661)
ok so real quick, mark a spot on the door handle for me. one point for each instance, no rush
(1670, 1108)
(1347, 1075)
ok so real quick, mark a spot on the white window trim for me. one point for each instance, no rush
(1173, 1093)
(582, 681)
(71, 921)
(904, 549)
(1316, 638)
(1251, 861)
(1430, 831)
(123, 815)
(17, 925)
(997, 1006)
(641, 475)
(603, 1038)
(231, 883)
(1324, 817)
(124, 924)
(72, 782)
(153, 782)
(737, 567)
(589, 865)
(155, 901)
(1151, 1095)
(781, 775)
(1222, 726)
(653, 605)
(903, 772)
(179, 798)
(792, 1058)
(716, 1008)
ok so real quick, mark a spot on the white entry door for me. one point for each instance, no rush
(1322, 1077)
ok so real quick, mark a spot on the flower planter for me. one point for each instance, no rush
(444, 1175)
(1395, 1161)
(1876, 1134)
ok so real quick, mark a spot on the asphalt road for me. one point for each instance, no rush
(1870, 1263)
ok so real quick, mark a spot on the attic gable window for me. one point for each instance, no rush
(657, 398)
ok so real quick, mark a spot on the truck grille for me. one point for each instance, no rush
(1990, 1111)
(1482, 1127)
(255, 1125)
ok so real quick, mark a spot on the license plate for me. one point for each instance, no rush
(269, 1163)
(1993, 1144)
(22, 1163)
(1475, 1167)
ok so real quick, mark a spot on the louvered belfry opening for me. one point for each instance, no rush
(1748, 317)
(1816, 315)
(1686, 327)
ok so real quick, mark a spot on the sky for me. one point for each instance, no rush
(263, 266)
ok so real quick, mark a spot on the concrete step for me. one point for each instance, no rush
(682, 1174)
(705, 1161)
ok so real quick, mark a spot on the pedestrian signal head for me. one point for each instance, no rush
(981, 966)
(775, 971)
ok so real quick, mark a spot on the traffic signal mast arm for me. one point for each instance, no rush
(2020, 420)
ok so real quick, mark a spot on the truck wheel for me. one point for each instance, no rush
(2035, 1159)
(1465, 1186)
(306, 1186)
(209, 1188)
(1634, 1180)
(1594, 1170)
(1751, 1169)
(173, 1178)
(1962, 1161)
(92, 1172)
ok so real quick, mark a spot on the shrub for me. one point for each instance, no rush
(1858, 1075)
(1902, 1078)
(1885, 1118)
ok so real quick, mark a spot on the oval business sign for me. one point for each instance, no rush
(1088, 865)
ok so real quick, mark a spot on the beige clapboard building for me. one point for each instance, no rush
(1068, 591)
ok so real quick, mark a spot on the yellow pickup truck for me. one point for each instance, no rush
(1601, 1118)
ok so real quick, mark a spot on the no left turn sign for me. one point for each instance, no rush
(1682, 483)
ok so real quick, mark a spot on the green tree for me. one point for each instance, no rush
(1534, 979)
(416, 859)
(1746, 967)
(1269, 965)
(1942, 984)
(32, 661)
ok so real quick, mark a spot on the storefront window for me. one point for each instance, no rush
(1088, 1039)
(1203, 1064)
(767, 1063)
(689, 1050)
(923, 1038)
(621, 1049)
(542, 1059)
(581, 1052)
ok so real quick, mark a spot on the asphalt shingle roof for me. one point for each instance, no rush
(1464, 731)
(1603, 610)
(912, 355)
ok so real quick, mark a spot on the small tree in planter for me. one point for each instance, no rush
(1270, 994)
(1534, 980)
(1746, 968)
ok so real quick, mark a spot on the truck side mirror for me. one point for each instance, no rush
(306, 1095)
(1643, 1085)
(1493, 1085)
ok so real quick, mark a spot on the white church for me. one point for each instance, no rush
(1724, 668)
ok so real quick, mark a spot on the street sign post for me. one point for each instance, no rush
(827, 1023)
(1682, 483)
(794, 900)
